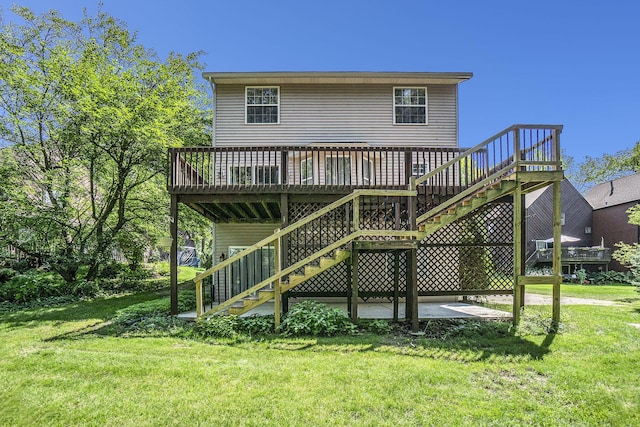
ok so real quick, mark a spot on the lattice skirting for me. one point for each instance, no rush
(474, 254)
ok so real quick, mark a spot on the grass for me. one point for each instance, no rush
(61, 366)
(606, 292)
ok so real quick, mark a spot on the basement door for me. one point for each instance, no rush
(250, 270)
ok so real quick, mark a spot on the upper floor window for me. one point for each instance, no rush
(262, 104)
(410, 105)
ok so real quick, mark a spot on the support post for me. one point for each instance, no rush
(355, 255)
(557, 250)
(412, 261)
(396, 283)
(173, 254)
(276, 283)
(284, 253)
(518, 254)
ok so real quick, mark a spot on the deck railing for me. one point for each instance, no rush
(577, 255)
(532, 148)
(233, 169)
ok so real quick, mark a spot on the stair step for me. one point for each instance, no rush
(452, 211)
(264, 294)
(311, 270)
(327, 262)
(466, 202)
(295, 279)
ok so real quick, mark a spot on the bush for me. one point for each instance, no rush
(377, 326)
(605, 277)
(31, 286)
(218, 326)
(258, 325)
(6, 274)
(314, 318)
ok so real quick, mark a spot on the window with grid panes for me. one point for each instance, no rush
(262, 105)
(410, 105)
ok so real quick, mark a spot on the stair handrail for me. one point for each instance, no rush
(491, 174)
(284, 232)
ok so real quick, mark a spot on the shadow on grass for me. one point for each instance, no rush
(99, 308)
(469, 342)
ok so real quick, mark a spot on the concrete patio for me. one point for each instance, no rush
(384, 310)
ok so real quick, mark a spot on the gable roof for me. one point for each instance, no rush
(616, 192)
(336, 77)
(566, 187)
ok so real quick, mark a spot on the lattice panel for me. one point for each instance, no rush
(334, 281)
(473, 254)
(377, 273)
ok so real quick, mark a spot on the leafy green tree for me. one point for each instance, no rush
(629, 254)
(87, 114)
(595, 170)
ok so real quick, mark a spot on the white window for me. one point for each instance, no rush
(410, 105)
(262, 105)
(338, 171)
(260, 175)
(265, 174)
(240, 175)
(562, 217)
(419, 169)
(306, 171)
(367, 171)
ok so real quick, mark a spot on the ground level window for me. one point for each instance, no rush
(410, 105)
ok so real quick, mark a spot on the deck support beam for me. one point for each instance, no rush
(173, 254)
(412, 262)
(284, 254)
(518, 252)
(557, 251)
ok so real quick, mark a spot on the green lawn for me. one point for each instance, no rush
(61, 367)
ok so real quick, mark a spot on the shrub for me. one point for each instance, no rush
(257, 325)
(31, 286)
(218, 326)
(377, 326)
(611, 277)
(314, 318)
(6, 274)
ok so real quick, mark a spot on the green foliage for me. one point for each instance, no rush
(609, 277)
(376, 326)
(87, 114)
(317, 319)
(218, 326)
(581, 274)
(596, 170)
(6, 274)
(32, 286)
(257, 325)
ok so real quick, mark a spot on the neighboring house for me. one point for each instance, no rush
(364, 175)
(579, 250)
(610, 202)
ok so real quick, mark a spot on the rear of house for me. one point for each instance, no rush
(364, 175)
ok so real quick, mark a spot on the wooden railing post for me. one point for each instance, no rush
(276, 283)
(412, 260)
(557, 251)
(199, 301)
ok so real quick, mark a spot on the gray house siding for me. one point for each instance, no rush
(239, 234)
(577, 216)
(336, 114)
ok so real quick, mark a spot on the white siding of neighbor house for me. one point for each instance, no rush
(336, 114)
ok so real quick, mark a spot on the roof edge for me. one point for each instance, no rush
(337, 77)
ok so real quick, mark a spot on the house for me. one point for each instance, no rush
(610, 202)
(578, 248)
(353, 185)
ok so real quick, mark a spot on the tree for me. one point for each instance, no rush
(595, 170)
(88, 115)
(629, 254)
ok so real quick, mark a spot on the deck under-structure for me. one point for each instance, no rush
(418, 216)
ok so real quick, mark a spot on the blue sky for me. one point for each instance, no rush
(558, 62)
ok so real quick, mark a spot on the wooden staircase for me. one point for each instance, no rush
(267, 294)
(528, 164)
